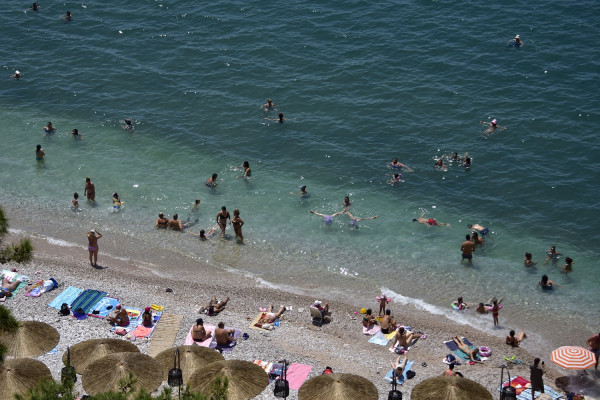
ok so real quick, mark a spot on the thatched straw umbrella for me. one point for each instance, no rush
(105, 373)
(191, 358)
(449, 388)
(338, 387)
(31, 339)
(246, 380)
(20, 374)
(84, 353)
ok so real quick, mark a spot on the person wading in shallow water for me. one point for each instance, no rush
(93, 237)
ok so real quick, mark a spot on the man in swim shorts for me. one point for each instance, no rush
(175, 223)
(594, 345)
(404, 338)
(429, 221)
(90, 190)
(467, 248)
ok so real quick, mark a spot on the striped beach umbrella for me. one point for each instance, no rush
(573, 357)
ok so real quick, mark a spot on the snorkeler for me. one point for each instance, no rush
(354, 220)
(429, 221)
(327, 218)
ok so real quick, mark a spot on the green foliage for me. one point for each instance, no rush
(8, 323)
(21, 252)
(48, 389)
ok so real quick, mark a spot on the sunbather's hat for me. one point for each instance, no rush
(118, 307)
(147, 309)
(410, 374)
(317, 302)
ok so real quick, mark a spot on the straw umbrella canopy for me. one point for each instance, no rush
(449, 388)
(20, 374)
(246, 380)
(338, 387)
(105, 373)
(31, 339)
(84, 353)
(191, 358)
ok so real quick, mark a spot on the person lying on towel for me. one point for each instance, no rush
(214, 306)
(8, 287)
(270, 316)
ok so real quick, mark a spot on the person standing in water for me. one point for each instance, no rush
(222, 218)
(93, 237)
(212, 181)
(39, 152)
(90, 190)
(237, 223)
(247, 170)
(467, 248)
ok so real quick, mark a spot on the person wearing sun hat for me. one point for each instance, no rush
(147, 317)
(518, 40)
(16, 75)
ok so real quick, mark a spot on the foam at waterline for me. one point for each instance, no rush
(62, 243)
(449, 313)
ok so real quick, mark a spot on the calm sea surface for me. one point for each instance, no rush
(359, 83)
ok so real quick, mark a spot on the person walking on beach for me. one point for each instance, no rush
(93, 237)
(536, 377)
(90, 190)
(39, 152)
(222, 218)
(467, 248)
(237, 223)
(594, 345)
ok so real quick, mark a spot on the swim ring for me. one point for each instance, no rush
(489, 307)
(457, 307)
(387, 299)
(485, 351)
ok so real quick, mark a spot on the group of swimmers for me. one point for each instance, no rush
(346, 204)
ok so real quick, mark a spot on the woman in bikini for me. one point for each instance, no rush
(369, 319)
(466, 349)
(222, 217)
(237, 223)
(93, 237)
(162, 222)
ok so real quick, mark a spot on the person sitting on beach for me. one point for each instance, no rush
(270, 316)
(594, 346)
(199, 334)
(215, 306)
(175, 223)
(128, 125)
(460, 304)
(147, 318)
(388, 323)
(471, 353)
(545, 283)
(354, 220)
(212, 181)
(404, 338)
(224, 336)
(324, 309)
(346, 203)
(327, 218)
(568, 265)
(247, 170)
(161, 221)
(118, 316)
(398, 366)
(369, 320)
(449, 371)
(39, 152)
(528, 260)
(476, 239)
(513, 340)
(552, 255)
(429, 221)
(49, 128)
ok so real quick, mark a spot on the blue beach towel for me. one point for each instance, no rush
(87, 299)
(379, 339)
(400, 379)
(103, 307)
(230, 346)
(66, 296)
(461, 354)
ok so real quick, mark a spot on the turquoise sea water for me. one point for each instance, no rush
(359, 83)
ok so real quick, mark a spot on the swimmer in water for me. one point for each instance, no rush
(75, 201)
(455, 157)
(68, 16)
(440, 165)
(346, 203)
(355, 220)
(49, 128)
(34, 7)
(212, 181)
(75, 133)
(476, 239)
(545, 283)
(429, 222)
(327, 218)
(116, 201)
(201, 235)
(247, 170)
(529, 260)
(396, 178)
(467, 162)
(568, 265)
(552, 255)
(517, 41)
(279, 119)
(269, 105)
(16, 75)
(492, 126)
(128, 125)
(395, 164)
(303, 192)
(39, 152)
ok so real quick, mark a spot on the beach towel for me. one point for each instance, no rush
(10, 276)
(461, 354)
(265, 365)
(36, 290)
(399, 379)
(372, 331)
(412, 342)
(524, 392)
(229, 347)
(391, 335)
(87, 299)
(276, 372)
(519, 383)
(208, 328)
(102, 308)
(142, 331)
(256, 325)
(297, 374)
(380, 339)
(66, 296)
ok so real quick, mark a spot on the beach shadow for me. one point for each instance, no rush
(98, 267)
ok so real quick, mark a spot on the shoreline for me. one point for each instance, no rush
(296, 339)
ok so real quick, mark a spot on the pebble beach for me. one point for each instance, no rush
(339, 344)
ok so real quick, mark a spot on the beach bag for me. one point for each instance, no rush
(451, 359)
(327, 370)
(64, 309)
(410, 374)
(49, 285)
(282, 388)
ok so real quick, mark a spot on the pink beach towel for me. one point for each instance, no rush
(297, 374)
(209, 328)
(371, 331)
(142, 331)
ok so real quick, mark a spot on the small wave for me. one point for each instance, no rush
(61, 243)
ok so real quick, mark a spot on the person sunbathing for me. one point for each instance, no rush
(324, 309)
(369, 319)
(472, 353)
(399, 366)
(214, 306)
(199, 334)
(8, 287)
(270, 316)
(118, 316)
(388, 323)
(147, 317)
(224, 336)
(404, 338)
(513, 340)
